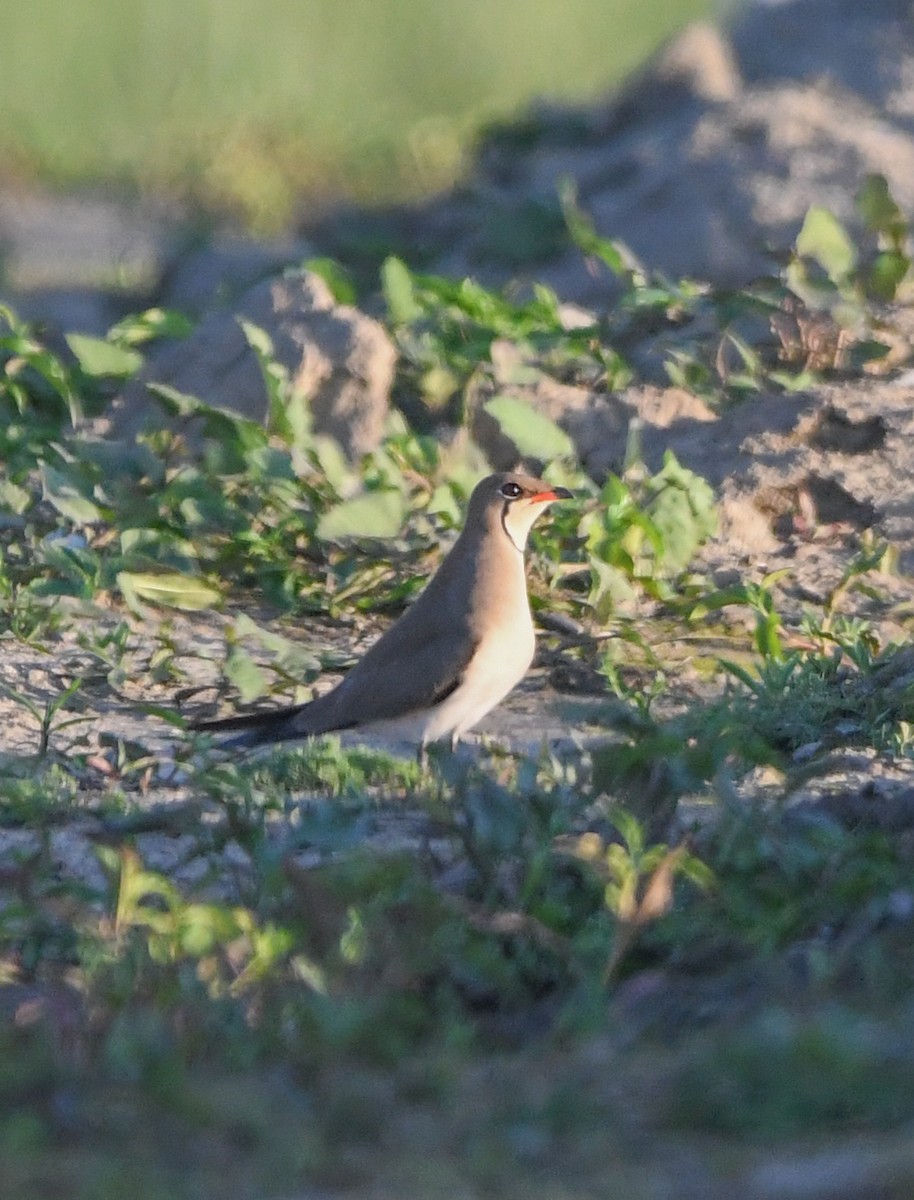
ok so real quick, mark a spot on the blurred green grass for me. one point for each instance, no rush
(247, 106)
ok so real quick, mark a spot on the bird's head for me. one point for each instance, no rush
(511, 502)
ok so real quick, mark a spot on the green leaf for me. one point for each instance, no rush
(138, 328)
(825, 239)
(879, 210)
(163, 713)
(169, 589)
(178, 404)
(631, 830)
(683, 511)
(203, 927)
(336, 277)
(13, 498)
(534, 435)
(116, 460)
(329, 456)
(257, 338)
(291, 656)
(231, 436)
(373, 515)
(67, 494)
(244, 674)
(887, 273)
(22, 354)
(584, 235)
(97, 356)
(815, 291)
(610, 588)
(399, 292)
(290, 412)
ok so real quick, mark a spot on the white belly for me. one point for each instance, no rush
(499, 664)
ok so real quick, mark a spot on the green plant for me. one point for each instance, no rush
(850, 277)
(46, 715)
(644, 532)
(351, 947)
(446, 330)
(638, 880)
(23, 614)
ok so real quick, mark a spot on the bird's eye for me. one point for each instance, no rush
(510, 490)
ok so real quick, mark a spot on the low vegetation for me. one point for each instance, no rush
(334, 967)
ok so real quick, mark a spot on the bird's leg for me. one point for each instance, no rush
(422, 757)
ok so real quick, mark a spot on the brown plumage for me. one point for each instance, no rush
(453, 655)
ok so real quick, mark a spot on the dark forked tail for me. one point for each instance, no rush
(257, 729)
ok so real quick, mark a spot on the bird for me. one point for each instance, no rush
(455, 653)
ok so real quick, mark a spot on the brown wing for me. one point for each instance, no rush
(416, 664)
